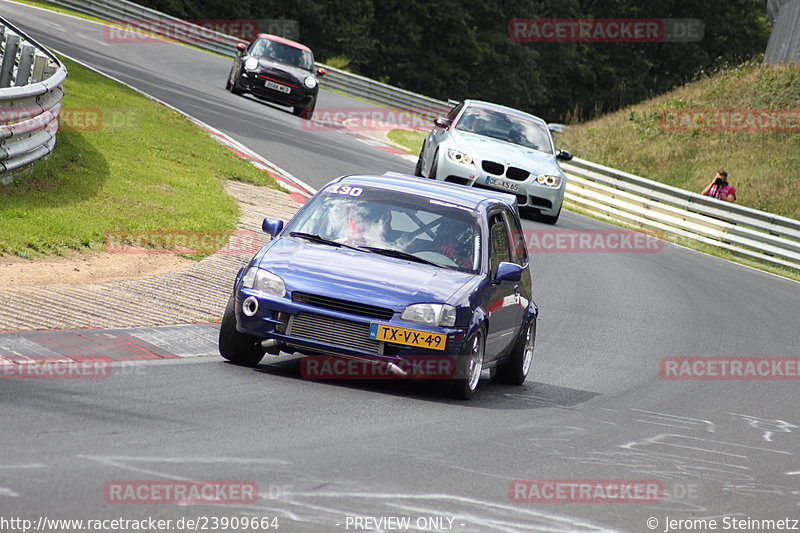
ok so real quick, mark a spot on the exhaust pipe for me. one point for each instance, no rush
(269, 343)
(396, 370)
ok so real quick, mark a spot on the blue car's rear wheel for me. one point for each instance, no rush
(515, 369)
(234, 346)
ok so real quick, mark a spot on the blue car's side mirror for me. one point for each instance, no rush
(508, 272)
(273, 226)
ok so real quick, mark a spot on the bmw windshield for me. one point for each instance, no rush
(391, 223)
(508, 127)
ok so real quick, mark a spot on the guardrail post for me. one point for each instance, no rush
(24, 67)
(9, 59)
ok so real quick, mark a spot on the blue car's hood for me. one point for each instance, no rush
(486, 148)
(362, 276)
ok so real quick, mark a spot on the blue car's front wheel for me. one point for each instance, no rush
(469, 366)
(234, 346)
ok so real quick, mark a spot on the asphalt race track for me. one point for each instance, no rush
(326, 453)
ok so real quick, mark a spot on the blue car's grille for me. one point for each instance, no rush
(344, 333)
(343, 305)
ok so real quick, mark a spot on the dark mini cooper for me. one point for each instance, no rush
(391, 269)
(278, 70)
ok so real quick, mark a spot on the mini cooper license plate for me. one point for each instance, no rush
(503, 184)
(409, 337)
(277, 87)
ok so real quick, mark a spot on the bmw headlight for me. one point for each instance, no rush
(251, 63)
(430, 314)
(263, 280)
(310, 82)
(459, 157)
(547, 180)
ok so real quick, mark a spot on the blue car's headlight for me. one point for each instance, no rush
(264, 281)
(430, 314)
(547, 180)
(459, 157)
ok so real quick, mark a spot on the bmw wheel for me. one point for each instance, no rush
(234, 346)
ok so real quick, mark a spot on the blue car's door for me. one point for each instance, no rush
(503, 303)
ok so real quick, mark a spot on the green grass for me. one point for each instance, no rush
(763, 166)
(411, 141)
(143, 168)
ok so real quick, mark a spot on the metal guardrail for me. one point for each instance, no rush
(596, 188)
(742, 230)
(30, 100)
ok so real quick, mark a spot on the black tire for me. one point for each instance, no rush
(549, 219)
(435, 165)
(237, 347)
(232, 85)
(305, 112)
(418, 168)
(514, 370)
(468, 367)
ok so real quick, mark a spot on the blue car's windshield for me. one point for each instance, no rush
(384, 221)
(507, 127)
(282, 53)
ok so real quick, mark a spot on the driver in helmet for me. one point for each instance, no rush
(454, 239)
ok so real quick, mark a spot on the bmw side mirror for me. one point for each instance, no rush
(563, 155)
(508, 272)
(273, 226)
(441, 122)
(240, 48)
(321, 71)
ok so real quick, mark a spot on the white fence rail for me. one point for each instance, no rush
(598, 189)
(30, 100)
(757, 234)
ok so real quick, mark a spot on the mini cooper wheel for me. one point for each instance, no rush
(514, 370)
(468, 367)
(237, 347)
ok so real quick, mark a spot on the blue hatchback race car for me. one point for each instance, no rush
(392, 272)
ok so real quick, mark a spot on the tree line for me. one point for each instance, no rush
(451, 49)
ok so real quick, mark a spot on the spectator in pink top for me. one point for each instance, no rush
(720, 188)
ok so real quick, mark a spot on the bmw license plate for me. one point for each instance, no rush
(277, 87)
(409, 337)
(503, 184)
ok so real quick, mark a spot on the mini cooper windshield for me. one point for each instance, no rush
(394, 224)
(283, 53)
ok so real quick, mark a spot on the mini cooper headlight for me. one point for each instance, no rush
(459, 157)
(310, 82)
(547, 180)
(251, 63)
(264, 281)
(430, 314)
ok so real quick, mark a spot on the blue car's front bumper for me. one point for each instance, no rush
(309, 328)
